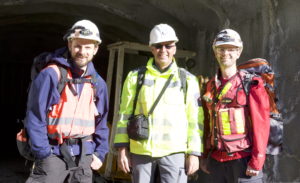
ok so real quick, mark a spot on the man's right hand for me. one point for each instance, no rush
(124, 161)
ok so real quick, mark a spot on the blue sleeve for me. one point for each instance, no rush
(101, 131)
(42, 95)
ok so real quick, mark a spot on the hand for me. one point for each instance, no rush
(191, 164)
(203, 165)
(251, 172)
(96, 163)
(124, 160)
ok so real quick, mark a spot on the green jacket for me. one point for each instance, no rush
(174, 126)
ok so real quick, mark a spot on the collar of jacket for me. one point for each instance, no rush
(154, 71)
(218, 76)
(76, 72)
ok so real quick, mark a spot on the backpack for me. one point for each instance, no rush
(262, 68)
(39, 63)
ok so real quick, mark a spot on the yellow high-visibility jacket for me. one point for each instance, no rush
(174, 126)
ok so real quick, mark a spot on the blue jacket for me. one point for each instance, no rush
(43, 94)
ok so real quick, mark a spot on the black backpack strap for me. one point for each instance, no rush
(140, 80)
(65, 81)
(64, 150)
(94, 81)
(246, 82)
(182, 76)
(63, 78)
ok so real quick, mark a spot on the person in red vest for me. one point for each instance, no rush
(67, 129)
(236, 128)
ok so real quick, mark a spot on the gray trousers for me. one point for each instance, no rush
(232, 172)
(171, 168)
(53, 169)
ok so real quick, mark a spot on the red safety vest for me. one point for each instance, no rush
(229, 117)
(73, 116)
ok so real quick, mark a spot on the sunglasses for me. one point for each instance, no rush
(160, 46)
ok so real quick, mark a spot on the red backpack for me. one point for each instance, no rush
(262, 68)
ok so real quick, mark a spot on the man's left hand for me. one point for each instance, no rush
(192, 164)
(251, 172)
(96, 163)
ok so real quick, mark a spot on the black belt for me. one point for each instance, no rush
(70, 141)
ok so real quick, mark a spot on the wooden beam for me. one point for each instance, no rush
(120, 65)
(111, 62)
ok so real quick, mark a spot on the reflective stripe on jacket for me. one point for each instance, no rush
(73, 116)
(174, 126)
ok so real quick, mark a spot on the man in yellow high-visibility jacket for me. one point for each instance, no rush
(175, 126)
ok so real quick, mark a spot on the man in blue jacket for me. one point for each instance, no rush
(67, 129)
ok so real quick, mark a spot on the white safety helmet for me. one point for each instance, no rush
(228, 36)
(84, 29)
(162, 33)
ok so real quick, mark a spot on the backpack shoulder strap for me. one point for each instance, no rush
(94, 83)
(182, 76)
(63, 78)
(247, 81)
(140, 80)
